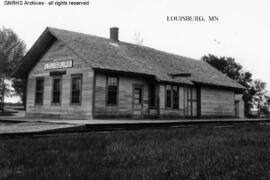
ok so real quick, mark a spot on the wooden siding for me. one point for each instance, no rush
(162, 97)
(59, 52)
(124, 107)
(239, 97)
(125, 97)
(214, 102)
(181, 98)
(217, 102)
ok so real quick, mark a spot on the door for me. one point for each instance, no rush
(137, 101)
(237, 109)
(191, 107)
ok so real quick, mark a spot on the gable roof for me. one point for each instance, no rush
(105, 54)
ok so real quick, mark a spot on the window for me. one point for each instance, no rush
(175, 97)
(112, 90)
(152, 95)
(56, 91)
(168, 96)
(138, 95)
(172, 97)
(39, 91)
(76, 89)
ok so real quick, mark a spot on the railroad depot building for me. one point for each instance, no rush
(80, 76)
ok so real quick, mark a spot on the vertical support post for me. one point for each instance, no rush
(199, 112)
(158, 99)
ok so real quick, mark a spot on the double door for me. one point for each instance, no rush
(192, 102)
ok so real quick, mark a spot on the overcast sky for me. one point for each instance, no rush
(242, 32)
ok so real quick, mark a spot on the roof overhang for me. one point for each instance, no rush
(34, 54)
(126, 73)
(173, 75)
(137, 75)
(229, 88)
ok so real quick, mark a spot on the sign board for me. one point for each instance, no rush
(58, 65)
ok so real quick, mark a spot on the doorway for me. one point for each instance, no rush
(192, 102)
(237, 104)
(137, 101)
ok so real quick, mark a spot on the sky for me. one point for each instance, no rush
(242, 31)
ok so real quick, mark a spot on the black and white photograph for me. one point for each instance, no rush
(147, 90)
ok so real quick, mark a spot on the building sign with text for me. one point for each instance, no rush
(58, 65)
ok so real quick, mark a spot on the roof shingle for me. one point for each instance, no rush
(106, 54)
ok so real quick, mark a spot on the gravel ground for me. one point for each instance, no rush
(31, 127)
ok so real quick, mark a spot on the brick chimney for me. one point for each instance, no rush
(114, 33)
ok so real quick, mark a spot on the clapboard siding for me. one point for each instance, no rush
(162, 97)
(125, 97)
(214, 102)
(59, 52)
(239, 97)
(217, 102)
(181, 98)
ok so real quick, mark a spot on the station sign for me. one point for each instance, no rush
(58, 65)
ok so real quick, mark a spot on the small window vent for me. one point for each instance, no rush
(180, 75)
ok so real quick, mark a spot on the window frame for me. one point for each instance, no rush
(171, 96)
(71, 90)
(37, 79)
(117, 90)
(60, 96)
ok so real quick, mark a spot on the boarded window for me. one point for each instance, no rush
(39, 91)
(175, 97)
(112, 90)
(56, 91)
(76, 89)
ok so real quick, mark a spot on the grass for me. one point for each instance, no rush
(198, 152)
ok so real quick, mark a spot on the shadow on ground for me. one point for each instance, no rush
(12, 111)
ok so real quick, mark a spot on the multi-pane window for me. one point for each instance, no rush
(172, 97)
(56, 91)
(112, 90)
(39, 91)
(76, 89)
(175, 97)
(168, 96)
